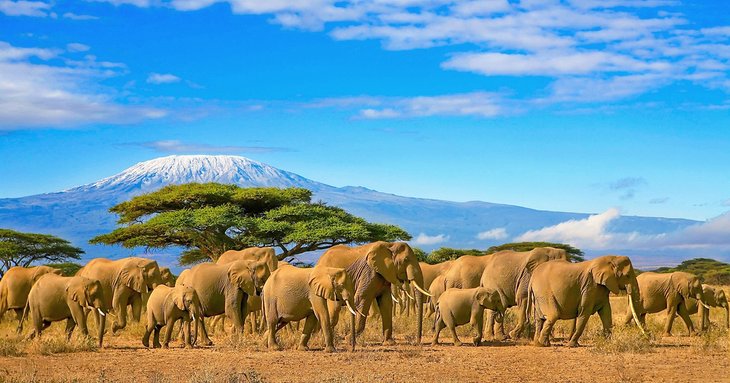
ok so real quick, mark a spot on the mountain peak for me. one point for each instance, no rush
(178, 169)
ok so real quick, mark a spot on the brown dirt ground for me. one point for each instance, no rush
(679, 358)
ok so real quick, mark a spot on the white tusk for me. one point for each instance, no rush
(704, 304)
(394, 298)
(424, 292)
(193, 316)
(408, 295)
(633, 313)
(350, 308)
(101, 312)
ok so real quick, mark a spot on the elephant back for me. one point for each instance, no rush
(265, 254)
(18, 282)
(465, 272)
(287, 280)
(341, 256)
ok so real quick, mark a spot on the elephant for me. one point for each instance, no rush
(508, 272)
(54, 298)
(430, 273)
(224, 289)
(373, 268)
(672, 292)
(713, 297)
(166, 277)
(124, 282)
(292, 294)
(438, 286)
(265, 254)
(564, 290)
(457, 307)
(166, 306)
(15, 287)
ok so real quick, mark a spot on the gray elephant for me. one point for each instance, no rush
(124, 282)
(508, 272)
(292, 294)
(166, 306)
(166, 277)
(458, 307)
(15, 287)
(564, 290)
(55, 298)
(672, 292)
(373, 268)
(224, 289)
(261, 254)
(713, 297)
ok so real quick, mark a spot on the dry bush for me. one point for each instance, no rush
(11, 346)
(623, 339)
(214, 376)
(715, 339)
(48, 345)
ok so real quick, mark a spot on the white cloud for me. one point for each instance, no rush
(74, 16)
(498, 234)
(24, 8)
(162, 78)
(77, 47)
(176, 146)
(40, 95)
(478, 104)
(424, 239)
(587, 233)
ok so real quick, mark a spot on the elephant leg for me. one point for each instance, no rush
(136, 302)
(79, 317)
(364, 307)
(490, 325)
(309, 324)
(478, 327)
(580, 325)
(19, 317)
(272, 322)
(571, 328)
(386, 314)
(168, 331)
(606, 319)
(187, 337)
(671, 312)
(319, 307)
(204, 332)
(70, 325)
(521, 319)
(499, 327)
(543, 337)
(439, 325)
(682, 311)
(452, 328)
(147, 332)
(156, 339)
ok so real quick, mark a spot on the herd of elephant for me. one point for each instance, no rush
(540, 283)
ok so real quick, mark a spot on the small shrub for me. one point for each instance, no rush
(623, 340)
(210, 376)
(10, 347)
(49, 345)
(714, 339)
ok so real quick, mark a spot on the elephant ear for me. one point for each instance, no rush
(77, 292)
(605, 274)
(177, 298)
(537, 256)
(681, 287)
(240, 276)
(132, 276)
(380, 259)
(322, 283)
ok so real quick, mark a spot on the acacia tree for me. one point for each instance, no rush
(24, 249)
(208, 219)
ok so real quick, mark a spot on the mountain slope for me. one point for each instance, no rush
(82, 212)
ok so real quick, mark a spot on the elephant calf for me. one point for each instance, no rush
(457, 307)
(54, 298)
(166, 306)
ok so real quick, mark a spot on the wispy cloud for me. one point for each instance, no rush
(162, 78)
(74, 16)
(589, 233)
(659, 200)
(424, 239)
(176, 146)
(77, 47)
(627, 186)
(498, 234)
(24, 8)
(37, 94)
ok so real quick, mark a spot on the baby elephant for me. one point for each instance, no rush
(165, 306)
(457, 307)
(54, 298)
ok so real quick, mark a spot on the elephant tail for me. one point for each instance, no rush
(26, 309)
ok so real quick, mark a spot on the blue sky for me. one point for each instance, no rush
(580, 105)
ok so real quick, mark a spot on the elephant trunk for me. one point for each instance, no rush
(415, 276)
(102, 329)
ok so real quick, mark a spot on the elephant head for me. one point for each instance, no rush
(40, 271)
(380, 259)
(491, 299)
(133, 276)
(334, 284)
(721, 300)
(186, 299)
(249, 276)
(616, 273)
(166, 277)
(541, 255)
(88, 294)
(409, 271)
(150, 272)
(688, 286)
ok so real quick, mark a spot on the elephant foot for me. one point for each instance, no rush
(513, 335)
(303, 347)
(477, 341)
(457, 343)
(573, 343)
(207, 342)
(667, 334)
(500, 337)
(329, 349)
(157, 345)
(435, 343)
(146, 343)
(538, 343)
(188, 346)
(389, 342)
(166, 346)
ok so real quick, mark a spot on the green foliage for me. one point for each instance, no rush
(24, 249)
(446, 254)
(68, 269)
(574, 254)
(421, 255)
(208, 219)
(709, 270)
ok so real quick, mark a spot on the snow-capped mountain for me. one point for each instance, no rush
(81, 213)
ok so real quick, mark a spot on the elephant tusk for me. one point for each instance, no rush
(100, 312)
(350, 308)
(408, 295)
(192, 316)
(705, 305)
(424, 292)
(394, 298)
(633, 313)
